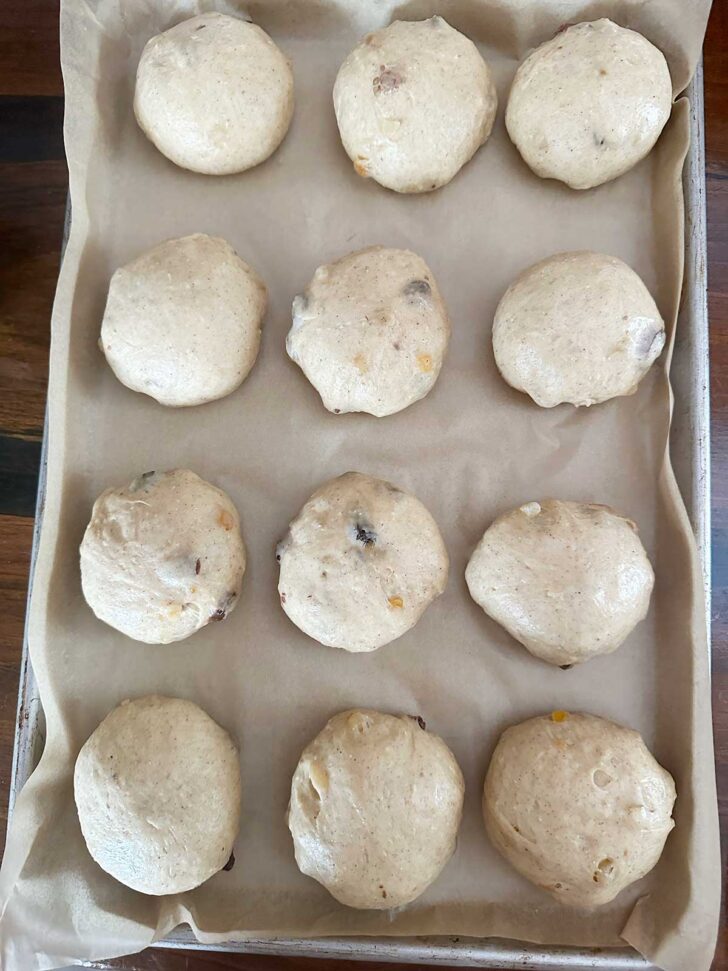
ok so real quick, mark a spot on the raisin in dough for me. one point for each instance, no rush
(589, 104)
(577, 805)
(376, 802)
(360, 563)
(414, 102)
(371, 331)
(157, 788)
(577, 327)
(214, 94)
(569, 580)
(182, 321)
(162, 556)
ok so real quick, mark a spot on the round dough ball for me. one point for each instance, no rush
(375, 808)
(360, 564)
(182, 321)
(577, 805)
(162, 556)
(589, 104)
(214, 94)
(569, 580)
(370, 332)
(414, 102)
(157, 788)
(577, 327)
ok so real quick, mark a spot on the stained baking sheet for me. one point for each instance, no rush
(271, 444)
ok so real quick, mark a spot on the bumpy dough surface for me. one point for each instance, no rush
(360, 563)
(577, 327)
(157, 788)
(162, 556)
(589, 104)
(414, 102)
(182, 321)
(370, 332)
(375, 808)
(569, 580)
(577, 805)
(214, 94)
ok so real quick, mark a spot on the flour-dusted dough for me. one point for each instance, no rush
(157, 788)
(569, 580)
(182, 321)
(214, 94)
(376, 802)
(414, 102)
(577, 805)
(577, 327)
(370, 332)
(589, 104)
(360, 563)
(162, 556)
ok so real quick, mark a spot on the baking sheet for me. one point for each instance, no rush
(470, 450)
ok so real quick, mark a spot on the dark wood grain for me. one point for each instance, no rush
(33, 187)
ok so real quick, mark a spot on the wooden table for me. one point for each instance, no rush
(33, 186)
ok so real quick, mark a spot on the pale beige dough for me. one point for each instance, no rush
(360, 564)
(578, 805)
(370, 332)
(569, 580)
(182, 321)
(577, 327)
(214, 94)
(414, 102)
(589, 104)
(157, 788)
(162, 556)
(376, 803)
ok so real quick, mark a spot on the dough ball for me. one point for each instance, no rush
(182, 321)
(214, 94)
(370, 332)
(578, 328)
(157, 789)
(577, 805)
(360, 563)
(414, 102)
(162, 556)
(569, 580)
(375, 808)
(589, 104)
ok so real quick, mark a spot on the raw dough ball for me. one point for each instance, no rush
(360, 563)
(157, 788)
(414, 102)
(589, 104)
(375, 807)
(569, 580)
(370, 332)
(214, 94)
(162, 556)
(577, 805)
(182, 321)
(577, 327)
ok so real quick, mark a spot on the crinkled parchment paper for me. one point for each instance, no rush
(470, 450)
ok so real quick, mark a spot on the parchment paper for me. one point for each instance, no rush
(470, 450)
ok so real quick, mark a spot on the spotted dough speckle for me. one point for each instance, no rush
(214, 94)
(163, 556)
(414, 102)
(370, 331)
(589, 104)
(360, 563)
(376, 802)
(577, 327)
(578, 805)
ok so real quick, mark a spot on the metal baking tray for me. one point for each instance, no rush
(690, 452)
